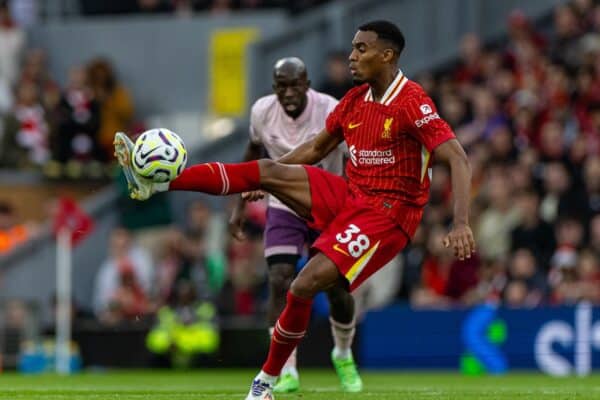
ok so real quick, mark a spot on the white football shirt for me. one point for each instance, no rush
(271, 127)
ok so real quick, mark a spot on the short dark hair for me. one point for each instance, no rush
(386, 30)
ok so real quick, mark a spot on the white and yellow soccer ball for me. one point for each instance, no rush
(159, 155)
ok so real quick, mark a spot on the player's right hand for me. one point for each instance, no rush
(236, 224)
(461, 240)
(253, 195)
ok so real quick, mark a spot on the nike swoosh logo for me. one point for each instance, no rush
(337, 248)
(352, 126)
(144, 155)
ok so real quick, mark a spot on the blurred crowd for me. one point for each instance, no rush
(526, 109)
(188, 7)
(63, 131)
(152, 263)
(528, 113)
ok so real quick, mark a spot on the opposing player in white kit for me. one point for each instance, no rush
(281, 122)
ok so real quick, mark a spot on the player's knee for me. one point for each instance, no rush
(308, 284)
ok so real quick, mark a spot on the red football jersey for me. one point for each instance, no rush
(390, 144)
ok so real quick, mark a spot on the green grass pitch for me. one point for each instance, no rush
(316, 385)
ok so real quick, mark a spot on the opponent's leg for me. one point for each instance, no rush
(343, 327)
(319, 274)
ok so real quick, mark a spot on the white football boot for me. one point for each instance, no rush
(260, 390)
(140, 188)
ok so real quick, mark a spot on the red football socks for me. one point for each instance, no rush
(220, 179)
(289, 330)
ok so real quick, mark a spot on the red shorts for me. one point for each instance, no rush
(357, 238)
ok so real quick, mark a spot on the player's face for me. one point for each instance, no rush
(291, 92)
(366, 58)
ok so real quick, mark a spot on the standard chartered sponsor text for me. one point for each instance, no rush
(376, 157)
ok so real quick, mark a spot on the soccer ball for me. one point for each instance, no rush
(159, 155)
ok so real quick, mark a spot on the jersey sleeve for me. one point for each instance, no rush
(334, 123)
(425, 124)
(255, 130)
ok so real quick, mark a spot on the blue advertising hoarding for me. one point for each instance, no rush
(555, 340)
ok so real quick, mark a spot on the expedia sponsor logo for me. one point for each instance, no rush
(425, 120)
(371, 157)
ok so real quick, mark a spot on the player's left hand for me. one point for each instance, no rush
(462, 241)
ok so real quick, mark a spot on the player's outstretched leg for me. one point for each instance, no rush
(289, 183)
(343, 327)
(319, 274)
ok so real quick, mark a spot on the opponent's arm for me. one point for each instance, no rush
(461, 236)
(314, 150)
(236, 221)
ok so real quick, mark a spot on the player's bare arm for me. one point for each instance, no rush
(460, 237)
(313, 151)
(308, 153)
(253, 152)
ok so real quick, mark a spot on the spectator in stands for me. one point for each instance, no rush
(499, 218)
(207, 248)
(469, 67)
(129, 301)
(563, 277)
(116, 107)
(487, 117)
(520, 28)
(35, 70)
(439, 196)
(453, 109)
(337, 80)
(246, 265)
(173, 260)
(532, 233)
(12, 44)
(25, 139)
(124, 279)
(523, 268)
(463, 277)
(184, 8)
(516, 295)
(588, 274)
(413, 258)
(434, 273)
(154, 6)
(444, 280)
(77, 119)
(594, 235)
(19, 326)
(569, 233)
(491, 284)
(182, 260)
(559, 199)
(591, 178)
(567, 31)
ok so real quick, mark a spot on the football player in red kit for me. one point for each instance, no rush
(393, 132)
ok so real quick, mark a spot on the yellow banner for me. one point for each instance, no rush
(229, 69)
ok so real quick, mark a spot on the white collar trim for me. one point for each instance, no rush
(392, 90)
